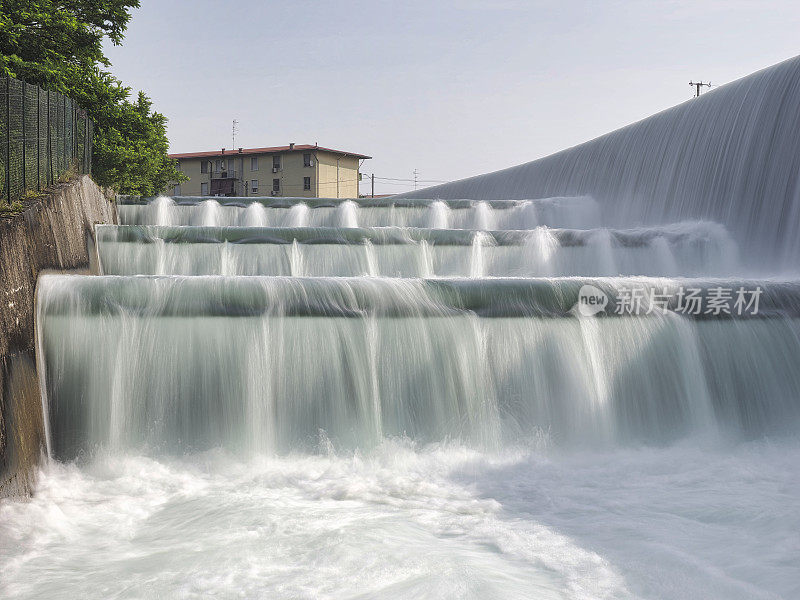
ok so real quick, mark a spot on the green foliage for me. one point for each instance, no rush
(134, 148)
(9, 210)
(58, 45)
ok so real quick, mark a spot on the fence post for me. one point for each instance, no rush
(8, 140)
(72, 131)
(64, 134)
(24, 135)
(49, 145)
(38, 137)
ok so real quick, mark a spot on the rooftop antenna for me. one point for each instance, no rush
(234, 131)
(697, 85)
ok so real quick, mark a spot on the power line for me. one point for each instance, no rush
(411, 180)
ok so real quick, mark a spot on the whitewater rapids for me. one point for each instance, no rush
(696, 520)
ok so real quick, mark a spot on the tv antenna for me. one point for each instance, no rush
(234, 131)
(697, 85)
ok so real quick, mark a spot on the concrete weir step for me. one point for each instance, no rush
(557, 297)
(687, 249)
(571, 212)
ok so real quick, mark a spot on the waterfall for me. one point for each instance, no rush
(578, 377)
(644, 378)
(699, 249)
(578, 212)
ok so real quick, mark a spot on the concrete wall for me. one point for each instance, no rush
(54, 233)
(347, 174)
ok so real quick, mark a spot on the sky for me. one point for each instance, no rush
(449, 89)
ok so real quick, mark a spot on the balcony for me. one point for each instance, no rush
(228, 174)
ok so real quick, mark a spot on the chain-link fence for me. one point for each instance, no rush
(42, 135)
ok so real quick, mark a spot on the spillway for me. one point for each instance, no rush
(262, 388)
(579, 212)
(576, 378)
(684, 249)
(731, 156)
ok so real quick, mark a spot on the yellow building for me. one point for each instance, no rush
(294, 170)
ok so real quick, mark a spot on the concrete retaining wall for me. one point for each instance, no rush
(53, 233)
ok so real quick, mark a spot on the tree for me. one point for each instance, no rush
(58, 45)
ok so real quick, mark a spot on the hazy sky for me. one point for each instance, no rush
(451, 89)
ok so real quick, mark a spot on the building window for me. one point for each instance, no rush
(204, 189)
(204, 166)
(276, 185)
(177, 190)
(307, 159)
(276, 161)
(306, 183)
(254, 163)
(254, 185)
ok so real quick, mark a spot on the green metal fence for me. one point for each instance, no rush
(42, 135)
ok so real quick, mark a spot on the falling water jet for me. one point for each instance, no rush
(255, 215)
(163, 211)
(298, 215)
(297, 265)
(477, 263)
(347, 214)
(483, 217)
(370, 259)
(210, 213)
(438, 215)
(540, 250)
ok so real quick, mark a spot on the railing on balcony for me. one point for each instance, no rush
(225, 174)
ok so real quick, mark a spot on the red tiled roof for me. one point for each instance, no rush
(273, 149)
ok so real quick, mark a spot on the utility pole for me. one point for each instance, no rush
(372, 177)
(697, 85)
(415, 179)
(337, 176)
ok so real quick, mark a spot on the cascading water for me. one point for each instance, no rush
(697, 249)
(731, 156)
(574, 212)
(405, 398)
(360, 384)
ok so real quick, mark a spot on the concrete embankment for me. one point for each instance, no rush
(53, 233)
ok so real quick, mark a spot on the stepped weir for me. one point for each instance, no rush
(579, 377)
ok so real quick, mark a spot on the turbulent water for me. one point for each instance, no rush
(590, 395)
(695, 520)
(406, 438)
